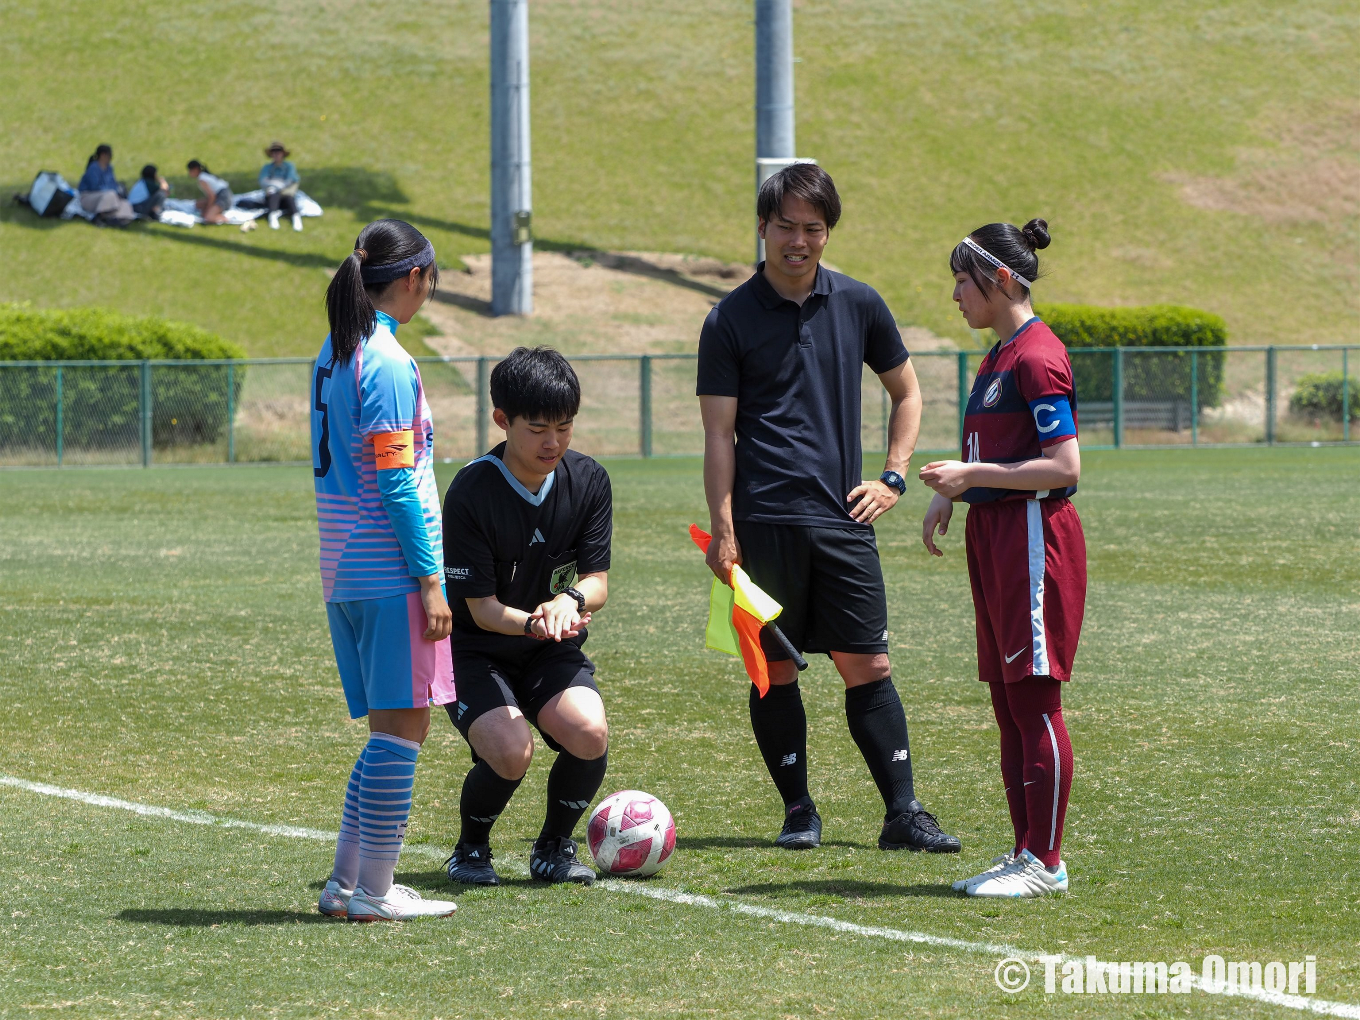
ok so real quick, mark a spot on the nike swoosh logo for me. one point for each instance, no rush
(1011, 658)
(1031, 782)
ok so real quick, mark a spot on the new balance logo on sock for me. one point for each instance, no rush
(789, 759)
(538, 537)
(901, 755)
(575, 805)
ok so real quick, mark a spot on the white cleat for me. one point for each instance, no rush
(999, 864)
(273, 221)
(1025, 879)
(334, 900)
(401, 903)
(297, 221)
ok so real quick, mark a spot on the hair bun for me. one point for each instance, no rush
(1036, 234)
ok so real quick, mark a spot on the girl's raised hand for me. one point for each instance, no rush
(947, 477)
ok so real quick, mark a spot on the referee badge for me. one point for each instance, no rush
(993, 394)
(563, 577)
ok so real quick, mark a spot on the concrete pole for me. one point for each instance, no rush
(775, 146)
(512, 247)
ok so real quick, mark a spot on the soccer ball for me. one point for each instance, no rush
(631, 833)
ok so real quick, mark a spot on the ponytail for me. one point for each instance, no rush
(349, 308)
(385, 251)
(99, 150)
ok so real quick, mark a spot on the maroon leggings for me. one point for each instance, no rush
(1036, 762)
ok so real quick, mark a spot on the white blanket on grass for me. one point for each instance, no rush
(180, 212)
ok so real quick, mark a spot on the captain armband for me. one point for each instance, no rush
(1053, 418)
(394, 450)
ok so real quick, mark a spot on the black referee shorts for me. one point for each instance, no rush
(520, 673)
(828, 580)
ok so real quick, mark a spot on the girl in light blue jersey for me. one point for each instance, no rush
(382, 567)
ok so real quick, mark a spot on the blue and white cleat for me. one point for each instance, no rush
(999, 864)
(399, 903)
(1026, 878)
(334, 900)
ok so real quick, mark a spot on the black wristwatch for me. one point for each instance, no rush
(529, 628)
(894, 481)
(580, 599)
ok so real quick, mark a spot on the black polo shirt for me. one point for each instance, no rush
(796, 374)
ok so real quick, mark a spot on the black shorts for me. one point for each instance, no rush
(828, 580)
(494, 674)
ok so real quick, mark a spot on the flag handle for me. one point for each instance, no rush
(785, 644)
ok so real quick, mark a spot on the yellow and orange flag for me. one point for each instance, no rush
(736, 613)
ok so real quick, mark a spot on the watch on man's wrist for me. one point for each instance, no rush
(529, 628)
(580, 599)
(894, 481)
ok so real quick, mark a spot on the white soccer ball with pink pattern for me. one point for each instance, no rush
(631, 833)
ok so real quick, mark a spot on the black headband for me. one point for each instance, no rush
(395, 270)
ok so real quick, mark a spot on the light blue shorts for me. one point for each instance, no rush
(384, 659)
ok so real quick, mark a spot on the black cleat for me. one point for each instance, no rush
(802, 827)
(471, 865)
(916, 829)
(554, 860)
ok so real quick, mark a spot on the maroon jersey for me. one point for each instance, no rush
(1022, 402)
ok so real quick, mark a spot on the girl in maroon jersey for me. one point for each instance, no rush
(1026, 553)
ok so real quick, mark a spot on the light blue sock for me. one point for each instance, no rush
(389, 774)
(346, 869)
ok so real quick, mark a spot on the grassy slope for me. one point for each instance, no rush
(164, 642)
(933, 117)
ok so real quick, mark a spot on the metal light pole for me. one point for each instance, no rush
(775, 146)
(512, 246)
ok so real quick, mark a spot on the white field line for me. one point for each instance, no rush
(1322, 1007)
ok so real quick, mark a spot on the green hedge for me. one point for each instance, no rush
(101, 406)
(1152, 376)
(1318, 396)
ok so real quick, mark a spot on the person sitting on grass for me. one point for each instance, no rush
(216, 198)
(527, 532)
(279, 179)
(149, 193)
(100, 193)
(381, 557)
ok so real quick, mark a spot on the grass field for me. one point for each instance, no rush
(1204, 154)
(163, 641)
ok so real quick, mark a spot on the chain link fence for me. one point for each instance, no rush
(257, 410)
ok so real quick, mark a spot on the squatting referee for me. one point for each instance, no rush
(779, 390)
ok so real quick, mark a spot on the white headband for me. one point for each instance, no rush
(995, 261)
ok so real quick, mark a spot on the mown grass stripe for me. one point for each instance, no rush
(1322, 1007)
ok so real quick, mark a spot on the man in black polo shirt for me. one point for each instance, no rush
(527, 532)
(779, 390)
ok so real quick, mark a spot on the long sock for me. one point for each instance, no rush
(572, 785)
(1036, 704)
(879, 726)
(485, 795)
(1012, 764)
(346, 868)
(385, 786)
(780, 726)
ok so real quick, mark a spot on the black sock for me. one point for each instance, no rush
(572, 785)
(879, 726)
(485, 795)
(780, 726)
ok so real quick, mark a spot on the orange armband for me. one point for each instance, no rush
(394, 450)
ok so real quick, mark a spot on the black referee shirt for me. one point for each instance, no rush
(796, 374)
(501, 539)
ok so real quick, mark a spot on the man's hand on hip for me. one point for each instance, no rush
(723, 553)
(871, 500)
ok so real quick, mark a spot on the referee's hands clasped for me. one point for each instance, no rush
(558, 619)
(874, 500)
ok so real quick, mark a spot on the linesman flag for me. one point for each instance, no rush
(736, 614)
